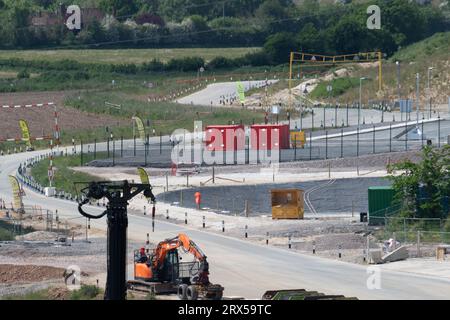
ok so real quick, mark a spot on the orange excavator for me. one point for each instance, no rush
(160, 271)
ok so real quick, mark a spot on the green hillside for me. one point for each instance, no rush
(428, 49)
(432, 52)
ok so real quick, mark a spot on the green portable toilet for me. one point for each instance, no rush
(380, 203)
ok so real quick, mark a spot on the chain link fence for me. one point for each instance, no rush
(420, 235)
(35, 218)
(323, 144)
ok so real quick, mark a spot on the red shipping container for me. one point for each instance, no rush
(263, 134)
(221, 137)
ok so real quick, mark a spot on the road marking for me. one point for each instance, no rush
(314, 189)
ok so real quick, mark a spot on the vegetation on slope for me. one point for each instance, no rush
(416, 58)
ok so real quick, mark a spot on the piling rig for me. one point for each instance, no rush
(118, 194)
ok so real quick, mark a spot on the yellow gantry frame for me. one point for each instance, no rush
(314, 60)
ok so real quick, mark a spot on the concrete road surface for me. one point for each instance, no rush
(211, 95)
(328, 117)
(247, 269)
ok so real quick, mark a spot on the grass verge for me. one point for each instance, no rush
(118, 56)
(35, 295)
(64, 178)
(86, 292)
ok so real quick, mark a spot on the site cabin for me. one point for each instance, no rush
(263, 136)
(287, 204)
(225, 137)
(298, 139)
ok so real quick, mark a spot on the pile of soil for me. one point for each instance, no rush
(28, 273)
(58, 293)
(38, 236)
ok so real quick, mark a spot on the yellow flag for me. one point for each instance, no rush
(143, 175)
(140, 127)
(240, 91)
(25, 132)
(17, 193)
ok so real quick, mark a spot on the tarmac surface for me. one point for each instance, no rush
(335, 196)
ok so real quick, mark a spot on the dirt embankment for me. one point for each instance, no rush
(19, 98)
(28, 273)
(41, 119)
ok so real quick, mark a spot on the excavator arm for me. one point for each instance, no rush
(191, 247)
(180, 241)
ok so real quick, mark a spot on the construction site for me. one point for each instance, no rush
(318, 177)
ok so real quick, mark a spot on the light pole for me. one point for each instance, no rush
(417, 97)
(428, 86)
(360, 100)
(429, 76)
(398, 87)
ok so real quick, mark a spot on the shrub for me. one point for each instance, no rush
(185, 64)
(81, 75)
(6, 235)
(86, 292)
(256, 59)
(221, 63)
(24, 74)
(128, 68)
(154, 65)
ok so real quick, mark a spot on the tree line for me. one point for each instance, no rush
(278, 25)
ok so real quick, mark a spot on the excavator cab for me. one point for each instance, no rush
(171, 267)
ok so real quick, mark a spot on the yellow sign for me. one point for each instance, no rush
(140, 127)
(25, 132)
(17, 192)
(298, 139)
